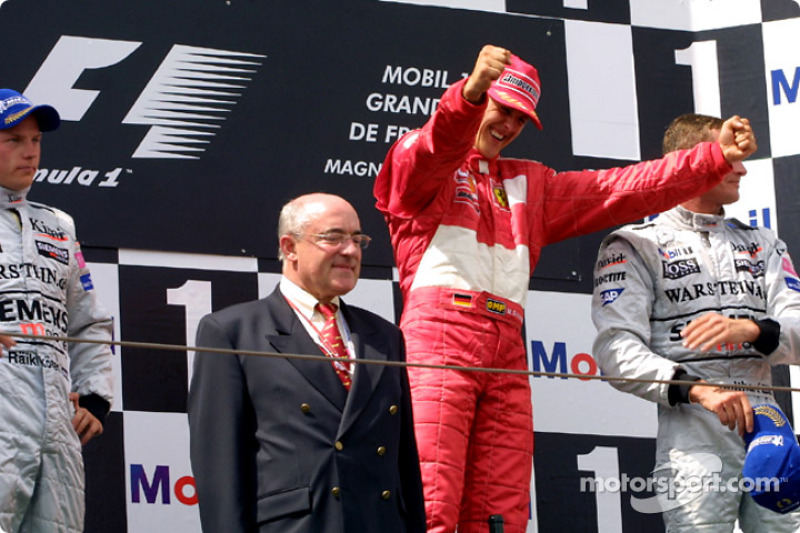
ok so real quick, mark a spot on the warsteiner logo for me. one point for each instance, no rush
(183, 103)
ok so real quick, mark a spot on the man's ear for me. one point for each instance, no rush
(288, 247)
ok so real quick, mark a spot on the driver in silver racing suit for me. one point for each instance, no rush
(45, 289)
(650, 281)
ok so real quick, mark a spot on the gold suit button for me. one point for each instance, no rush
(335, 491)
(338, 445)
(386, 494)
(393, 410)
(381, 450)
(305, 407)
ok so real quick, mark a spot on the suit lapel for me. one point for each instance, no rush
(291, 337)
(370, 344)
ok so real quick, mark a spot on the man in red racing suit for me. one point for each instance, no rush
(467, 227)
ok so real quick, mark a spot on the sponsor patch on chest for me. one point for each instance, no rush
(680, 268)
(500, 197)
(466, 190)
(51, 251)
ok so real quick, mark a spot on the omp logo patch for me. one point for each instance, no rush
(496, 306)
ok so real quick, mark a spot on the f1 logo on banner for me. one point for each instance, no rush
(185, 100)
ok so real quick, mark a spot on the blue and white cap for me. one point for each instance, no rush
(772, 463)
(15, 107)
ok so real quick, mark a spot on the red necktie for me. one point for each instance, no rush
(332, 340)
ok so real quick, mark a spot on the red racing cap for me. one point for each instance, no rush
(518, 87)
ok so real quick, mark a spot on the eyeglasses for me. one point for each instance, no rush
(337, 239)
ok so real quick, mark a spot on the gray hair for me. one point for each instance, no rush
(293, 220)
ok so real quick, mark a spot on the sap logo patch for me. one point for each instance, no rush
(680, 268)
(86, 281)
(793, 283)
(49, 251)
(610, 296)
(496, 307)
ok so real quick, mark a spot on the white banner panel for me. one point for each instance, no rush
(756, 205)
(162, 494)
(782, 74)
(694, 15)
(602, 90)
(560, 334)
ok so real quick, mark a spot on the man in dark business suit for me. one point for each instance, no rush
(280, 444)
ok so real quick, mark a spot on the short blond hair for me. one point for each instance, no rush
(688, 130)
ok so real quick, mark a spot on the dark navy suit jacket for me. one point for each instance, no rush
(278, 445)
